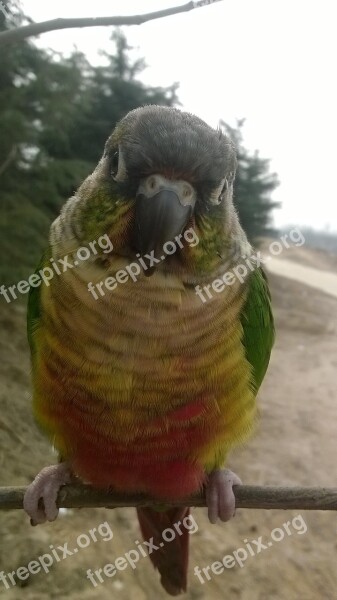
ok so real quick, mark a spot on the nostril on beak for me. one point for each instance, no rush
(152, 184)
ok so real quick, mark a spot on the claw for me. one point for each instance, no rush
(40, 498)
(220, 497)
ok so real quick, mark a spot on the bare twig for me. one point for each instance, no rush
(11, 156)
(16, 35)
(247, 496)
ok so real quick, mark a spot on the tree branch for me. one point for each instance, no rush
(11, 156)
(247, 496)
(20, 33)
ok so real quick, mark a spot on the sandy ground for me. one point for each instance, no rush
(295, 444)
(321, 280)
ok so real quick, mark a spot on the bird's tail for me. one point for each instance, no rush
(170, 540)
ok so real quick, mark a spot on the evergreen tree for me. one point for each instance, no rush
(253, 187)
(55, 116)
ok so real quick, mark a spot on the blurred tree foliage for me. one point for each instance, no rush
(253, 187)
(55, 115)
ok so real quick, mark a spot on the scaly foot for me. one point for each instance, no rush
(40, 498)
(220, 498)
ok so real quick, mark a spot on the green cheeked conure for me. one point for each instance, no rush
(147, 358)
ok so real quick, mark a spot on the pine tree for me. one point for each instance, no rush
(253, 187)
(55, 116)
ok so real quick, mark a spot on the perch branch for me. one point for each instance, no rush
(247, 496)
(20, 33)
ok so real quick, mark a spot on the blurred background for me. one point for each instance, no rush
(265, 73)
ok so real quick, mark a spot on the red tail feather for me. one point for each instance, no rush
(171, 557)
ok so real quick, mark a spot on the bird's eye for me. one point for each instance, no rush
(223, 191)
(219, 193)
(114, 164)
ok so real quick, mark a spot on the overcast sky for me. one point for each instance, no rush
(270, 61)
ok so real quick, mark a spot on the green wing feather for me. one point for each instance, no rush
(34, 304)
(258, 326)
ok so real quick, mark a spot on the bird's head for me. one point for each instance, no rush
(165, 174)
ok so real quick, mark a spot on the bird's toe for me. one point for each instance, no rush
(220, 496)
(40, 498)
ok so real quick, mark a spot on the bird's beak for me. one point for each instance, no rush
(163, 209)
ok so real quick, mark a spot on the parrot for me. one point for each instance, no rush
(140, 385)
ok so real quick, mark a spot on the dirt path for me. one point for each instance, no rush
(321, 280)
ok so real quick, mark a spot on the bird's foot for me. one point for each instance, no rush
(40, 498)
(220, 497)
